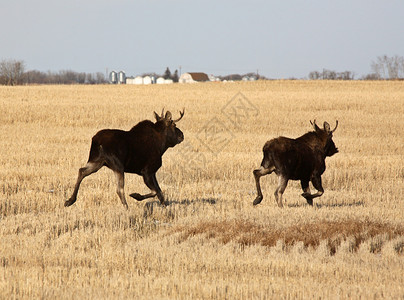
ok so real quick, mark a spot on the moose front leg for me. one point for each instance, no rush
(151, 182)
(159, 192)
(316, 180)
(318, 186)
(306, 191)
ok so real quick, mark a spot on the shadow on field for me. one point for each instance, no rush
(351, 204)
(149, 206)
(194, 201)
(330, 205)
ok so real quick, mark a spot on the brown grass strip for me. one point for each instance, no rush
(248, 233)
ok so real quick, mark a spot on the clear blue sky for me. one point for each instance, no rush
(281, 39)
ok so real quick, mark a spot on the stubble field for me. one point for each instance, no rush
(209, 242)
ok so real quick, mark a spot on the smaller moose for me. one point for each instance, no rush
(138, 151)
(297, 159)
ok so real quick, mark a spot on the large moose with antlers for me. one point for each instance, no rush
(138, 151)
(297, 159)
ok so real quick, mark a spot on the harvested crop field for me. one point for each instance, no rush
(210, 242)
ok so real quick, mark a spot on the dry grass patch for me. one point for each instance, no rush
(249, 233)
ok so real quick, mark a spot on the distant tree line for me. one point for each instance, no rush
(237, 77)
(383, 68)
(331, 75)
(12, 72)
(63, 77)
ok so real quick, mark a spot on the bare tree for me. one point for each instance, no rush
(81, 78)
(314, 75)
(394, 67)
(347, 75)
(11, 72)
(100, 78)
(386, 67)
(34, 77)
(331, 75)
(378, 68)
(371, 76)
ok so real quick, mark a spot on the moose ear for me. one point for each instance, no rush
(168, 116)
(156, 115)
(316, 128)
(327, 127)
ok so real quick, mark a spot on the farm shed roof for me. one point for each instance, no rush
(198, 76)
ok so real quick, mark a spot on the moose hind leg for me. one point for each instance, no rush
(88, 169)
(282, 183)
(258, 173)
(120, 177)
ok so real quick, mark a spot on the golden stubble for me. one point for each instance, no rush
(210, 242)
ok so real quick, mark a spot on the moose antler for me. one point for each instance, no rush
(181, 115)
(314, 125)
(156, 115)
(336, 125)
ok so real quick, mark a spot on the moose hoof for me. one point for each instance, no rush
(257, 200)
(309, 202)
(309, 198)
(69, 202)
(137, 196)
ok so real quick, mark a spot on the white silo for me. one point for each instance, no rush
(113, 77)
(121, 77)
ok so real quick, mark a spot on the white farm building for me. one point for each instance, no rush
(161, 80)
(147, 80)
(140, 80)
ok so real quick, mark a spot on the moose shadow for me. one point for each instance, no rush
(328, 205)
(194, 201)
(149, 206)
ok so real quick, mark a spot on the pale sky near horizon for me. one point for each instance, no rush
(280, 39)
